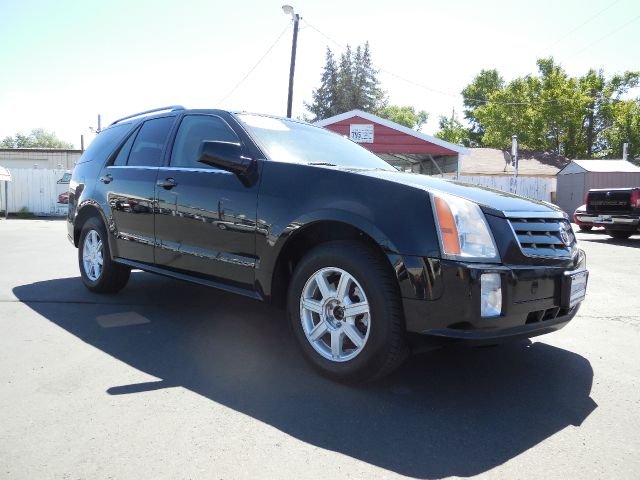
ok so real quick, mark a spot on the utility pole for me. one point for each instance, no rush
(625, 150)
(288, 9)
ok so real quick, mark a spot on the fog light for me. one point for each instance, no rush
(490, 295)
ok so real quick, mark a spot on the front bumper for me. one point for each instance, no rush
(441, 298)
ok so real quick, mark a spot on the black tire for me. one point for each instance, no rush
(113, 276)
(585, 228)
(385, 348)
(619, 234)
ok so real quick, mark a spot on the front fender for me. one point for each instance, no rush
(279, 234)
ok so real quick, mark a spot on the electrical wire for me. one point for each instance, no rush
(425, 87)
(255, 66)
(578, 27)
(606, 35)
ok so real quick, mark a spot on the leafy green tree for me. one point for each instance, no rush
(406, 116)
(38, 138)
(349, 84)
(477, 94)
(550, 111)
(452, 130)
(625, 128)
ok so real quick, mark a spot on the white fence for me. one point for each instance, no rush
(35, 190)
(538, 188)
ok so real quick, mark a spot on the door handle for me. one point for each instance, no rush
(167, 183)
(106, 178)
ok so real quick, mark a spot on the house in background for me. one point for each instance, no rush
(410, 150)
(402, 147)
(492, 167)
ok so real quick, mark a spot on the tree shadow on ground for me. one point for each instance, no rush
(453, 411)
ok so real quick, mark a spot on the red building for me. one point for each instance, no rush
(403, 147)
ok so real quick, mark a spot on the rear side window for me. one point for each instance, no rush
(105, 143)
(149, 143)
(123, 153)
(195, 129)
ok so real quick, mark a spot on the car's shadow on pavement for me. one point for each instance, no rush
(633, 242)
(453, 411)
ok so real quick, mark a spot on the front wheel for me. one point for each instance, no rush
(619, 234)
(345, 312)
(99, 273)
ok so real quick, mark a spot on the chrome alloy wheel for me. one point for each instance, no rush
(92, 255)
(335, 314)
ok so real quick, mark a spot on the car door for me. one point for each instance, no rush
(206, 217)
(130, 182)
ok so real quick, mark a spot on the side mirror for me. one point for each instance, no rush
(224, 155)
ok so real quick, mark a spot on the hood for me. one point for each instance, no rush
(495, 202)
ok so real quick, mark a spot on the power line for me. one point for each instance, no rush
(255, 66)
(578, 27)
(449, 94)
(606, 35)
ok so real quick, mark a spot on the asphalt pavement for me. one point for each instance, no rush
(171, 380)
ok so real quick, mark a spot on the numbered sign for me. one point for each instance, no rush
(361, 133)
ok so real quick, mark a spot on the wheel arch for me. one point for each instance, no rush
(86, 211)
(314, 233)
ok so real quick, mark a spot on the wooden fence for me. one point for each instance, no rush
(538, 188)
(35, 190)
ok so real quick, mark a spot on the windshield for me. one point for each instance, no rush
(288, 141)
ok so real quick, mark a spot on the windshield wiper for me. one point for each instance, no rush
(323, 163)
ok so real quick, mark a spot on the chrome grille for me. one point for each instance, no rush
(544, 237)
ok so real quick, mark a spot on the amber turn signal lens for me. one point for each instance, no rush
(448, 230)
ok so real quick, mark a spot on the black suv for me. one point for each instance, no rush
(362, 256)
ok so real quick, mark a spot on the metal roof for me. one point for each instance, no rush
(393, 125)
(607, 166)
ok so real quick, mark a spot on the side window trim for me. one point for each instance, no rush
(174, 136)
(123, 144)
(165, 146)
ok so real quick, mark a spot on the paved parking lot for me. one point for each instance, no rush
(169, 380)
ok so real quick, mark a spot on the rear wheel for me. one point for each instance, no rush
(99, 273)
(345, 312)
(619, 234)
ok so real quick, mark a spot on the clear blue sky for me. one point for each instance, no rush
(63, 61)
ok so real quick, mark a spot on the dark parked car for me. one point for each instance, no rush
(366, 259)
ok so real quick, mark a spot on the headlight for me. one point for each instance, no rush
(463, 230)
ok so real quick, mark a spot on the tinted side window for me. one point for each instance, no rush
(105, 143)
(123, 153)
(148, 145)
(195, 129)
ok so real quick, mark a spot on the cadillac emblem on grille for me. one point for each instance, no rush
(565, 236)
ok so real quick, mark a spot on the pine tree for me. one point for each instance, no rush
(374, 97)
(325, 97)
(351, 84)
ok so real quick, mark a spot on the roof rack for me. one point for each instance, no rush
(171, 108)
